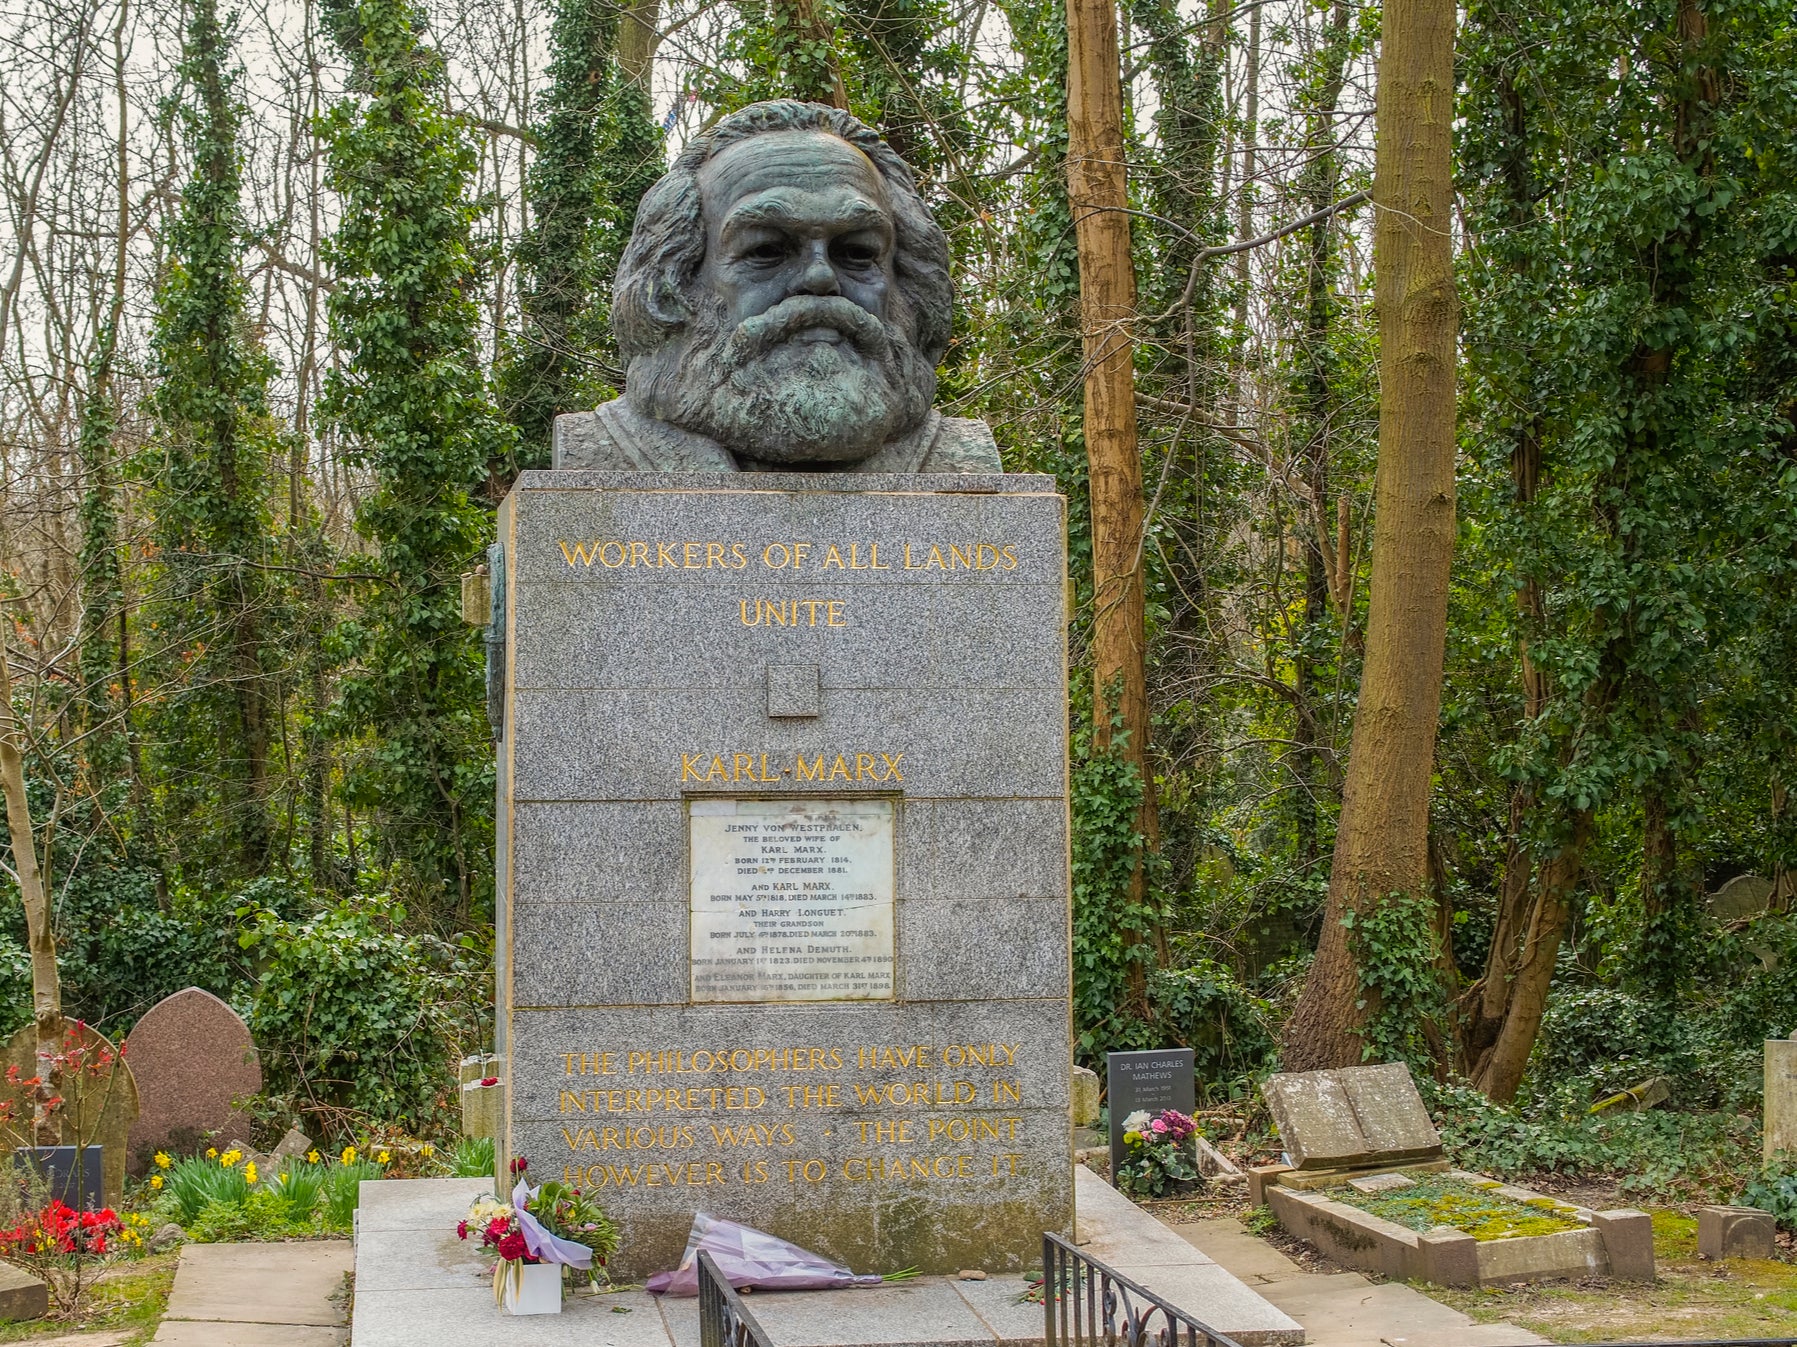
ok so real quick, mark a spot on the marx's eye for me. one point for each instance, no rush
(855, 254)
(771, 251)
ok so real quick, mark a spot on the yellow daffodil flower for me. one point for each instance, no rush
(427, 1150)
(230, 1158)
(155, 1180)
(349, 1155)
(383, 1158)
(212, 1152)
(249, 1171)
(162, 1160)
(312, 1156)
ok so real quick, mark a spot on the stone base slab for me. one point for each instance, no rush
(417, 1285)
(1616, 1244)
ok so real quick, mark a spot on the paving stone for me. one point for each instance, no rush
(299, 1283)
(191, 1333)
(430, 1317)
(193, 1059)
(414, 1260)
(416, 1204)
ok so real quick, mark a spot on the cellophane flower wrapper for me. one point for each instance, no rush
(751, 1258)
(543, 1246)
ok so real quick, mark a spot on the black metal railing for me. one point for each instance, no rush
(1086, 1304)
(724, 1321)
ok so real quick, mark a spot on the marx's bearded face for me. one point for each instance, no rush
(800, 344)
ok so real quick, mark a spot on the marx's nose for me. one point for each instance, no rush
(819, 277)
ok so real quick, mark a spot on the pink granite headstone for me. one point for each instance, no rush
(193, 1059)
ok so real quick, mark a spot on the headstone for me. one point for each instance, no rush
(194, 1059)
(1085, 1096)
(1162, 1079)
(99, 1101)
(1780, 1130)
(1742, 897)
(1735, 1232)
(483, 1108)
(22, 1296)
(73, 1175)
(291, 1146)
(1352, 1116)
(799, 964)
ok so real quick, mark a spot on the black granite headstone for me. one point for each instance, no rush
(1162, 1079)
(72, 1173)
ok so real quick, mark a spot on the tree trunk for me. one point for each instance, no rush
(1381, 846)
(46, 986)
(1097, 195)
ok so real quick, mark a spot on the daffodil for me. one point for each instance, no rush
(427, 1150)
(230, 1157)
(212, 1152)
(312, 1156)
(349, 1155)
(162, 1160)
(249, 1172)
(155, 1180)
(383, 1158)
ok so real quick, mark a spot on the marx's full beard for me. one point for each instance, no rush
(759, 391)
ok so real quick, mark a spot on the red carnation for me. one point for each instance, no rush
(512, 1247)
(461, 1229)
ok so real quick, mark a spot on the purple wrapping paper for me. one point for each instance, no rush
(750, 1258)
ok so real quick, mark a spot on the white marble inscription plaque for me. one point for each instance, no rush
(791, 899)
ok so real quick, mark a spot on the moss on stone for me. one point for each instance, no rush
(1463, 1206)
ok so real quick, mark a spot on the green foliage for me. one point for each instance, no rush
(1109, 933)
(1231, 1030)
(215, 599)
(352, 1011)
(409, 399)
(472, 1158)
(1774, 1189)
(343, 1191)
(298, 1188)
(260, 1215)
(1660, 1152)
(195, 1183)
(1396, 952)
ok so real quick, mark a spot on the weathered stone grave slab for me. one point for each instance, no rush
(100, 1100)
(783, 924)
(1161, 1079)
(1353, 1116)
(193, 1059)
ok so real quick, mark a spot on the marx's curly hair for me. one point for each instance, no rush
(667, 246)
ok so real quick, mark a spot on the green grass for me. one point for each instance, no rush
(130, 1295)
(1480, 1213)
(1735, 1298)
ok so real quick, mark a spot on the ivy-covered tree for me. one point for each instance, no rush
(598, 150)
(216, 599)
(412, 407)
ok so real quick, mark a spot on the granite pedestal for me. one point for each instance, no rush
(784, 928)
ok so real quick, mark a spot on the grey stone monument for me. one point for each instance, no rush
(784, 924)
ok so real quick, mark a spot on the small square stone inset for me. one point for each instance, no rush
(792, 691)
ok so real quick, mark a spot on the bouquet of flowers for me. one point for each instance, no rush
(552, 1223)
(1161, 1158)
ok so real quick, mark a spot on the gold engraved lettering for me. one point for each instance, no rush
(767, 556)
(964, 559)
(739, 559)
(689, 767)
(834, 558)
(804, 771)
(605, 558)
(834, 612)
(664, 557)
(742, 607)
(1009, 552)
(873, 558)
(714, 555)
(891, 761)
(580, 555)
(812, 1171)
(864, 767)
(742, 764)
(908, 565)
(639, 555)
(1007, 1092)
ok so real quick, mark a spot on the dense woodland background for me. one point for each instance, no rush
(290, 294)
